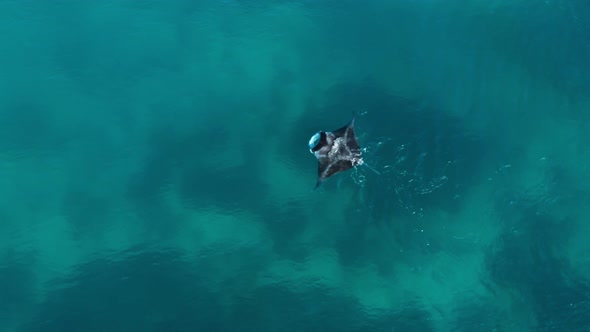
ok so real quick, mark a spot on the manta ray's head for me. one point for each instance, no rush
(314, 141)
(321, 143)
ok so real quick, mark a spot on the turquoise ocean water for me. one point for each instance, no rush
(155, 174)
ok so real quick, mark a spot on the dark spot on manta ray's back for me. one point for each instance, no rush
(336, 151)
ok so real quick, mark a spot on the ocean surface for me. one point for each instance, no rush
(155, 174)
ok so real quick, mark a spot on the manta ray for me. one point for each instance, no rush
(336, 151)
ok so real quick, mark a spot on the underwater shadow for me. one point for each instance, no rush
(148, 290)
(528, 259)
